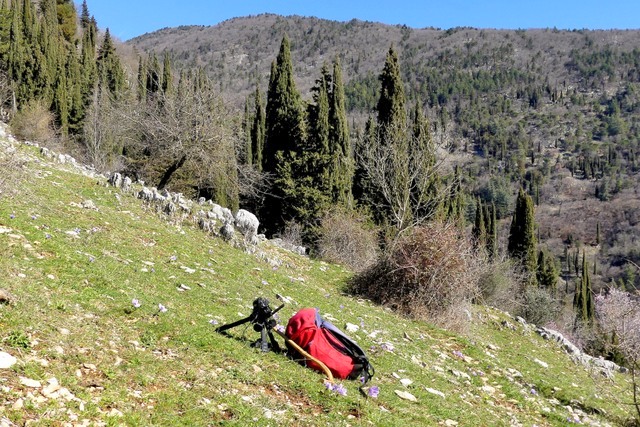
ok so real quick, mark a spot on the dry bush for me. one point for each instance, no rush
(499, 284)
(429, 273)
(504, 285)
(346, 238)
(34, 122)
(11, 167)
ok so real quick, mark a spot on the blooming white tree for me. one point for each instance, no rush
(618, 314)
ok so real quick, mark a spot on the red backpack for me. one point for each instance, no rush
(325, 342)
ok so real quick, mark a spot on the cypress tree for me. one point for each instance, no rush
(522, 240)
(284, 122)
(258, 130)
(492, 233)
(110, 72)
(547, 273)
(167, 76)
(284, 139)
(153, 76)
(85, 18)
(339, 141)
(479, 229)
(391, 104)
(583, 301)
(142, 79)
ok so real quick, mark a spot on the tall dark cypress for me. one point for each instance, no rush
(392, 115)
(284, 113)
(284, 140)
(342, 168)
(258, 131)
(583, 301)
(167, 75)
(522, 239)
(110, 72)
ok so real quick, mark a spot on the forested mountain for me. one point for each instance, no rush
(552, 110)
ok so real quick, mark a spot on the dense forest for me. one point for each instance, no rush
(525, 140)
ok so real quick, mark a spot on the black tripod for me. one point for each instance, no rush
(262, 319)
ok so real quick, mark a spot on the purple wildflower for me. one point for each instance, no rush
(47, 236)
(458, 354)
(373, 391)
(34, 217)
(340, 389)
(533, 391)
(162, 308)
(280, 329)
(135, 303)
(264, 282)
(12, 216)
(213, 321)
(173, 257)
(91, 259)
(387, 346)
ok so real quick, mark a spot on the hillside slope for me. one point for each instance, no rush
(75, 253)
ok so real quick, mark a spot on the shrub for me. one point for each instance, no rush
(11, 167)
(346, 238)
(34, 122)
(429, 272)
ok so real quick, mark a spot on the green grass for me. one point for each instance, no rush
(75, 271)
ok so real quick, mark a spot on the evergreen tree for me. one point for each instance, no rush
(492, 232)
(341, 170)
(479, 230)
(110, 72)
(142, 79)
(522, 240)
(583, 300)
(391, 105)
(284, 123)
(284, 139)
(167, 76)
(547, 273)
(258, 131)
(153, 76)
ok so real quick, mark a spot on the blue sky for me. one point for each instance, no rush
(130, 18)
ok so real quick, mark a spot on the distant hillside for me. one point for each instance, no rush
(557, 112)
(238, 52)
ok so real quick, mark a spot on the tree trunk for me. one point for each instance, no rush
(170, 171)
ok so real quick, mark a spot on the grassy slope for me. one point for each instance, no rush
(74, 272)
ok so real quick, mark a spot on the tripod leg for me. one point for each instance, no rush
(274, 344)
(264, 344)
(223, 328)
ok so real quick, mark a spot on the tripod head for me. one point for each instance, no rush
(261, 318)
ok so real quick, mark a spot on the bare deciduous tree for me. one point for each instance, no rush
(405, 173)
(187, 140)
(105, 131)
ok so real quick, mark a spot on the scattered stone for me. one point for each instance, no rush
(406, 395)
(89, 204)
(6, 297)
(64, 331)
(450, 423)
(541, 363)
(350, 327)
(406, 382)
(247, 223)
(28, 382)
(436, 392)
(7, 360)
(18, 405)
